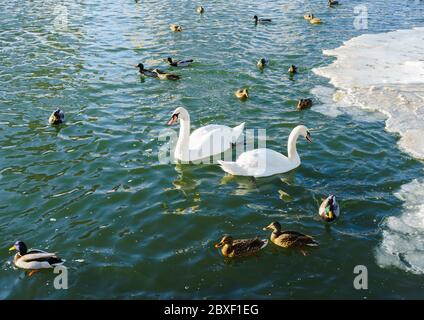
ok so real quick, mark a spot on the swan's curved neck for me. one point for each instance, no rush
(291, 147)
(182, 147)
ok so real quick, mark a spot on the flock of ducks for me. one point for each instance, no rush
(190, 147)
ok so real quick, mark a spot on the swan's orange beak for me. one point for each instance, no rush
(173, 119)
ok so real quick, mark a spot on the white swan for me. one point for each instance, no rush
(203, 142)
(266, 162)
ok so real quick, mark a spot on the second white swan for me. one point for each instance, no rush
(203, 142)
(266, 162)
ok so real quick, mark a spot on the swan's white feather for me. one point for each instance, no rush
(212, 139)
(259, 163)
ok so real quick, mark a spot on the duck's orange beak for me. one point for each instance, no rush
(219, 245)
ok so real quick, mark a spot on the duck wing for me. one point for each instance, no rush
(38, 259)
(248, 246)
(184, 63)
(149, 73)
(294, 238)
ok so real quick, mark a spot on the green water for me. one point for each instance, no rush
(129, 227)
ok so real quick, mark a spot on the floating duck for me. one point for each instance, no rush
(200, 10)
(175, 28)
(238, 248)
(309, 16)
(292, 69)
(34, 259)
(179, 63)
(329, 209)
(166, 76)
(156, 73)
(146, 72)
(57, 117)
(261, 21)
(262, 63)
(289, 239)
(315, 21)
(332, 3)
(242, 94)
(265, 162)
(304, 104)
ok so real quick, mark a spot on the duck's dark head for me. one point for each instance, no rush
(169, 59)
(225, 240)
(140, 66)
(20, 247)
(57, 117)
(255, 17)
(273, 226)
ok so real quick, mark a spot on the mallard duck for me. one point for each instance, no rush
(175, 28)
(242, 94)
(315, 21)
(200, 9)
(57, 117)
(156, 73)
(179, 63)
(304, 104)
(146, 72)
(309, 16)
(332, 3)
(261, 21)
(329, 209)
(237, 248)
(262, 63)
(289, 239)
(292, 69)
(34, 259)
(166, 76)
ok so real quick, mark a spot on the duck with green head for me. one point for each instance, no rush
(34, 259)
(57, 117)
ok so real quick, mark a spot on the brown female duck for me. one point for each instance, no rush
(289, 239)
(238, 248)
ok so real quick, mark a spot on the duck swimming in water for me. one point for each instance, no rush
(289, 239)
(242, 94)
(262, 63)
(292, 69)
(239, 248)
(166, 76)
(146, 72)
(304, 104)
(179, 63)
(57, 117)
(332, 3)
(34, 259)
(175, 28)
(329, 210)
(156, 73)
(261, 21)
(315, 21)
(200, 10)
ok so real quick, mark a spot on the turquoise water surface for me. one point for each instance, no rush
(130, 227)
